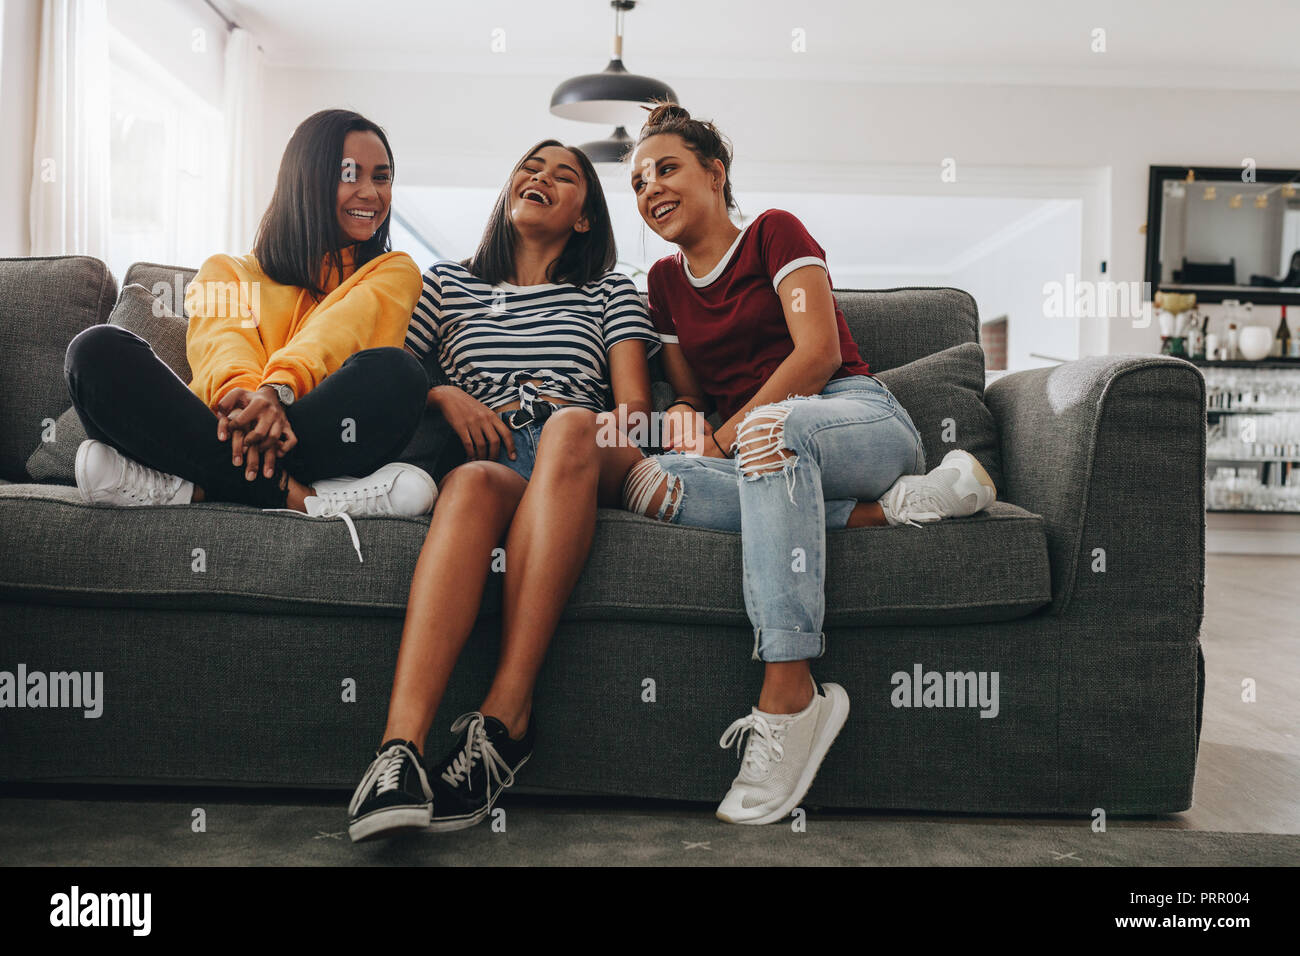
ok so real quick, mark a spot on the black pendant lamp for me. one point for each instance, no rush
(613, 96)
(612, 149)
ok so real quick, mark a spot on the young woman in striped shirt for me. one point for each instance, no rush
(535, 335)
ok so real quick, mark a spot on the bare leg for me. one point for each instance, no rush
(549, 541)
(787, 687)
(474, 507)
(866, 514)
(298, 493)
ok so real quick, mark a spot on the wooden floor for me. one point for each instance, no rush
(1248, 768)
(1248, 773)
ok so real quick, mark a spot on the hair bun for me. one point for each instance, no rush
(665, 113)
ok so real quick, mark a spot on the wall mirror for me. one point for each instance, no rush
(1212, 232)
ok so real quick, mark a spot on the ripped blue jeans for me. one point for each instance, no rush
(801, 466)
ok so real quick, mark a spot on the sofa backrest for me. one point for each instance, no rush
(165, 282)
(44, 302)
(893, 327)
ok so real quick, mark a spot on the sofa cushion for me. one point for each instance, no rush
(991, 566)
(165, 283)
(44, 302)
(893, 327)
(897, 327)
(137, 311)
(944, 395)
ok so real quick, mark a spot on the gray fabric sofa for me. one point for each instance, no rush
(1081, 589)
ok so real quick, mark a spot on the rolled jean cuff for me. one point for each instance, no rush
(838, 512)
(773, 646)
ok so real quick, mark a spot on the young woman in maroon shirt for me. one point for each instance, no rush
(809, 438)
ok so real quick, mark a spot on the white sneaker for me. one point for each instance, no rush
(959, 486)
(105, 476)
(396, 489)
(782, 756)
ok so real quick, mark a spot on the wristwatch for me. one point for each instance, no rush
(284, 392)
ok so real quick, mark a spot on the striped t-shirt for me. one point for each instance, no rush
(490, 339)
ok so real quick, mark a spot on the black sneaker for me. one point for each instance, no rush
(393, 795)
(470, 778)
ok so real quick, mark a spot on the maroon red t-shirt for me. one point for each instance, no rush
(730, 324)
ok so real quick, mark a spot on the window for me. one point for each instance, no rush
(404, 237)
(166, 165)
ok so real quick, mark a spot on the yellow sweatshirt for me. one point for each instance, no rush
(246, 330)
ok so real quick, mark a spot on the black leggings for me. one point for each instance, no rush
(126, 396)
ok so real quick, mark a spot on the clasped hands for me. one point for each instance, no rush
(258, 429)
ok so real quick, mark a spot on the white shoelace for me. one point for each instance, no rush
(373, 499)
(391, 775)
(764, 742)
(347, 520)
(478, 745)
(386, 769)
(156, 486)
(907, 503)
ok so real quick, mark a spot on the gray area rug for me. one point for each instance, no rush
(533, 831)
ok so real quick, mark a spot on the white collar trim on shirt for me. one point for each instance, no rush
(722, 263)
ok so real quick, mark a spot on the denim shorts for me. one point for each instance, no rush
(526, 439)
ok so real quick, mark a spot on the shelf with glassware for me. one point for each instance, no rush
(1237, 337)
(1252, 446)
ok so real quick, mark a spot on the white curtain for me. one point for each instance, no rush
(245, 201)
(70, 199)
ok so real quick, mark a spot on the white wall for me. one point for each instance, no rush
(466, 131)
(881, 279)
(1009, 281)
(20, 23)
(459, 130)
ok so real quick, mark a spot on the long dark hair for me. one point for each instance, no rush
(586, 256)
(701, 137)
(300, 229)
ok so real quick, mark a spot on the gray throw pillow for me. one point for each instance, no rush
(138, 311)
(944, 395)
(44, 302)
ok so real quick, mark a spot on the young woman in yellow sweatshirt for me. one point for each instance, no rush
(296, 349)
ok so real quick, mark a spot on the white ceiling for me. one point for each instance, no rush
(1248, 44)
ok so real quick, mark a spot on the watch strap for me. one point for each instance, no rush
(284, 392)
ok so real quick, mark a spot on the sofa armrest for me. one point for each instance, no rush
(1110, 451)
